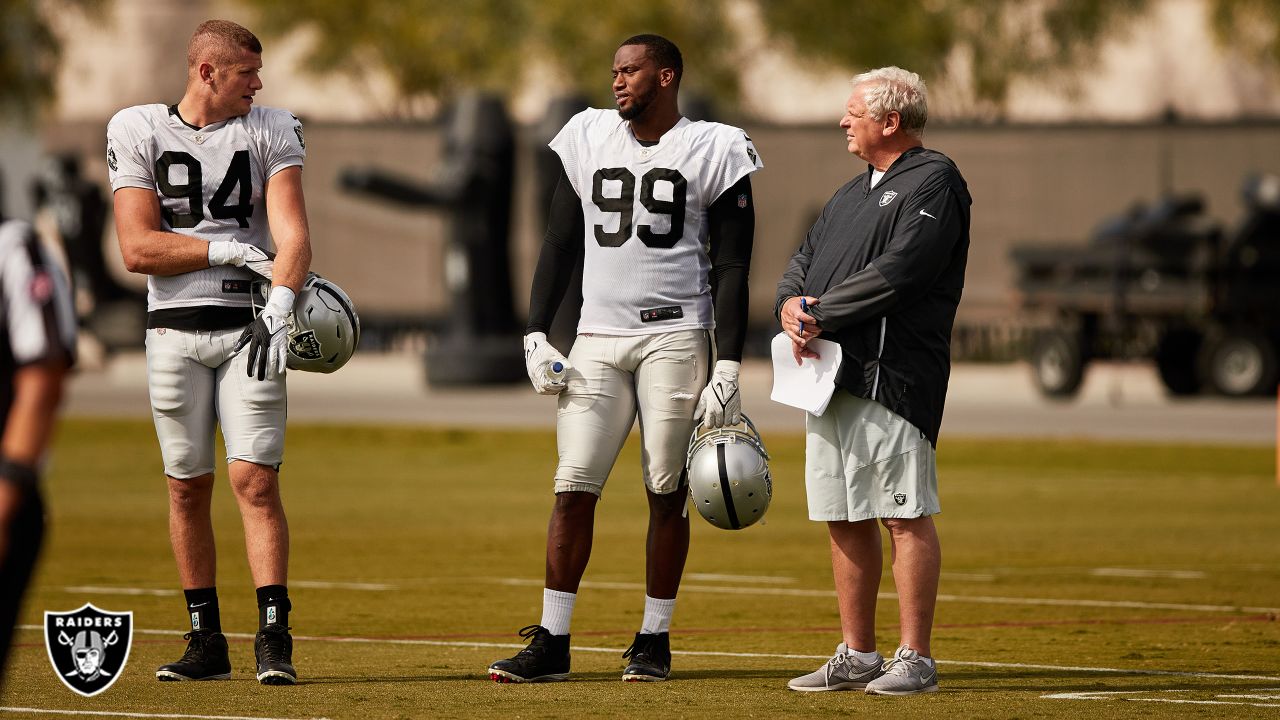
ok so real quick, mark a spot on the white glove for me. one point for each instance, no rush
(267, 337)
(540, 359)
(721, 403)
(234, 252)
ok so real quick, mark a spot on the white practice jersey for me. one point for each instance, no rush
(210, 182)
(645, 266)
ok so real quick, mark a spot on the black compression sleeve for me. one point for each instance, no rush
(561, 248)
(732, 224)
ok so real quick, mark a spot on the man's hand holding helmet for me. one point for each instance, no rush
(721, 403)
(267, 337)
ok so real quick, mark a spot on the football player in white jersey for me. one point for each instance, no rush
(659, 211)
(201, 190)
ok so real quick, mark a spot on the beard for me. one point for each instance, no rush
(639, 104)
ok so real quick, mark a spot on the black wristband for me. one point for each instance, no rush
(18, 473)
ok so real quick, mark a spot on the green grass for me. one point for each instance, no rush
(455, 520)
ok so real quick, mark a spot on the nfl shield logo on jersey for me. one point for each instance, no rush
(88, 647)
(887, 197)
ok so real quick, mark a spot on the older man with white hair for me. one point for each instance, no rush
(881, 273)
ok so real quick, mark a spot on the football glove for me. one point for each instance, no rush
(267, 337)
(721, 403)
(540, 359)
(234, 252)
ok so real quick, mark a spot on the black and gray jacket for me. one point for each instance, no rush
(887, 265)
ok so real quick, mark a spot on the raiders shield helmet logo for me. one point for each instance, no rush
(900, 498)
(88, 647)
(305, 345)
(887, 197)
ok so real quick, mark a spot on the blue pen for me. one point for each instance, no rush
(804, 308)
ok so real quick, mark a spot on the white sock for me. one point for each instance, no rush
(865, 657)
(557, 610)
(657, 615)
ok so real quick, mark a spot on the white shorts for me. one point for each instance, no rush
(614, 377)
(196, 382)
(863, 461)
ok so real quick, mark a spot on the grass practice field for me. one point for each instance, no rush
(1114, 580)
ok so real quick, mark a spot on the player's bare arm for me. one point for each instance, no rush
(37, 390)
(287, 216)
(146, 248)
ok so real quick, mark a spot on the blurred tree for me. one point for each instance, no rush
(981, 46)
(579, 39)
(1252, 26)
(433, 49)
(29, 52)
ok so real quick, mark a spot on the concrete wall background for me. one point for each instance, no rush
(1029, 183)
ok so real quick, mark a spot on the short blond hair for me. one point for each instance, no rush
(218, 41)
(892, 89)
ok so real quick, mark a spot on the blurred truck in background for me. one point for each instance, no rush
(1163, 282)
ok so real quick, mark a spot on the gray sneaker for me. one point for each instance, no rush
(842, 672)
(906, 673)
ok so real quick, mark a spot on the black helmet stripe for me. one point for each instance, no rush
(724, 488)
(351, 314)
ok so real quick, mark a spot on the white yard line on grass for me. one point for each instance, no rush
(1120, 695)
(324, 585)
(766, 579)
(159, 592)
(979, 599)
(1144, 573)
(102, 590)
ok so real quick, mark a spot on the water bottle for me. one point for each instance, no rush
(557, 372)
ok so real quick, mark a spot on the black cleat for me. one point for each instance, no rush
(273, 649)
(650, 658)
(546, 659)
(205, 659)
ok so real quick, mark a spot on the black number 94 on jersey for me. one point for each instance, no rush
(220, 205)
(624, 205)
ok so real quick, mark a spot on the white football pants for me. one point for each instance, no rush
(612, 379)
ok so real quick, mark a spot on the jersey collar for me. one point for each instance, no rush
(176, 119)
(680, 125)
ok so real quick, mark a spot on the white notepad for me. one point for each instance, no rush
(807, 386)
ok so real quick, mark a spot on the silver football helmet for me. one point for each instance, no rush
(324, 329)
(729, 479)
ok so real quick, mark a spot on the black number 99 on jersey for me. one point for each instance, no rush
(624, 205)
